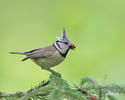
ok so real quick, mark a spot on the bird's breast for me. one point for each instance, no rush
(49, 61)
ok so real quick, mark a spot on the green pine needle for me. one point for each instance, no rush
(57, 88)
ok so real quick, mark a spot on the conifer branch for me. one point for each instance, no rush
(57, 88)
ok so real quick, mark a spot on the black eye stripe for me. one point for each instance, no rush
(62, 42)
(66, 42)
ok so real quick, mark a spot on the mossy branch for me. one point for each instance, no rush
(57, 88)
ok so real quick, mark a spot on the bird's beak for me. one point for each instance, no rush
(72, 46)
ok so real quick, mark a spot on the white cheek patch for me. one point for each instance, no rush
(61, 47)
(64, 48)
(57, 46)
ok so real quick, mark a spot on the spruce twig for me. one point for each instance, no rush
(57, 88)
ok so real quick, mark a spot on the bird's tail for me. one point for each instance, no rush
(22, 53)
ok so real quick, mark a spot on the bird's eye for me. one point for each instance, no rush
(66, 42)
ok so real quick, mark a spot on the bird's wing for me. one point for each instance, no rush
(41, 52)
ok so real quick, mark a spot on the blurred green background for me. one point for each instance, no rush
(96, 27)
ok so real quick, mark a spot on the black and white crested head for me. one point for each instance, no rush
(63, 44)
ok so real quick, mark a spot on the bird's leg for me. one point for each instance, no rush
(53, 72)
(50, 70)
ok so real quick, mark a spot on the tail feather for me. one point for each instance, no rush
(22, 53)
(25, 59)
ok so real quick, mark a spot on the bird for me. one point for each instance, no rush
(50, 56)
